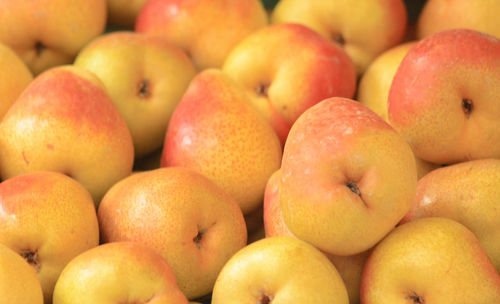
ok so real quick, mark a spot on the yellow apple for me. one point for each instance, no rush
(14, 78)
(467, 192)
(145, 77)
(64, 121)
(49, 33)
(206, 29)
(47, 218)
(440, 15)
(287, 68)
(444, 98)
(216, 131)
(122, 272)
(18, 281)
(279, 270)
(347, 177)
(364, 29)
(431, 260)
(194, 224)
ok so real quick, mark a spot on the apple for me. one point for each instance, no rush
(347, 177)
(279, 270)
(49, 33)
(47, 218)
(64, 121)
(145, 77)
(364, 29)
(122, 272)
(215, 131)
(444, 99)
(206, 29)
(14, 78)
(194, 224)
(123, 14)
(431, 260)
(468, 193)
(286, 69)
(439, 15)
(18, 281)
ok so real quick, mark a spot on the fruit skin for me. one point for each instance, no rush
(145, 77)
(362, 37)
(430, 260)
(50, 216)
(215, 131)
(468, 193)
(444, 98)
(206, 29)
(285, 269)
(121, 15)
(18, 281)
(46, 34)
(189, 220)
(286, 69)
(122, 272)
(336, 149)
(14, 78)
(65, 122)
(441, 15)
(350, 268)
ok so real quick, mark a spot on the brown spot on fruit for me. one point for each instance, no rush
(32, 258)
(198, 237)
(414, 298)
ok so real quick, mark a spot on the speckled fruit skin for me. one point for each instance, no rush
(367, 28)
(215, 131)
(49, 214)
(14, 78)
(437, 77)
(434, 260)
(64, 121)
(121, 272)
(468, 193)
(18, 281)
(285, 269)
(286, 69)
(166, 209)
(350, 268)
(50, 33)
(145, 77)
(440, 15)
(337, 143)
(206, 29)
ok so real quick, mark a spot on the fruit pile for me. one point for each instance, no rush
(247, 151)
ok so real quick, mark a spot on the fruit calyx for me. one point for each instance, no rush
(262, 90)
(264, 299)
(353, 187)
(416, 299)
(32, 258)
(467, 106)
(39, 48)
(144, 90)
(198, 237)
(338, 38)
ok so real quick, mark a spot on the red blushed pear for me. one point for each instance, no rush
(50, 33)
(48, 219)
(206, 29)
(350, 268)
(347, 177)
(445, 97)
(121, 272)
(194, 224)
(65, 122)
(285, 69)
(215, 130)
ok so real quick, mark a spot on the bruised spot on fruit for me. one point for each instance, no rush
(338, 38)
(32, 258)
(262, 90)
(414, 298)
(39, 48)
(198, 237)
(353, 187)
(264, 299)
(467, 106)
(144, 88)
